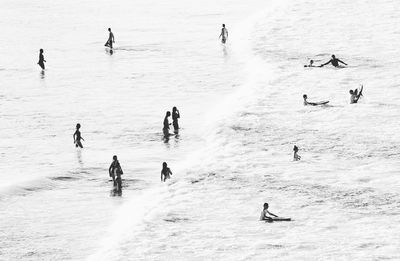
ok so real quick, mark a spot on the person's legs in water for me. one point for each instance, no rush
(78, 144)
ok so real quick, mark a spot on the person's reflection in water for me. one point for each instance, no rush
(79, 156)
(42, 74)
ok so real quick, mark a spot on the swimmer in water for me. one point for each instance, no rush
(175, 116)
(166, 124)
(41, 59)
(115, 172)
(355, 95)
(77, 137)
(334, 61)
(110, 40)
(296, 156)
(224, 34)
(311, 64)
(165, 172)
(265, 214)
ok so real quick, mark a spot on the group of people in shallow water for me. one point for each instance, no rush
(175, 116)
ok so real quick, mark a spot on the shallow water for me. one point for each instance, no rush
(241, 111)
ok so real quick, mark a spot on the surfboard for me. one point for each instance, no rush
(322, 102)
(281, 219)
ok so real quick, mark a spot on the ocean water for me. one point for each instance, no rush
(242, 113)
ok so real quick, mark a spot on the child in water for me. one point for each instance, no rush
(296, 157)
(77, 136)
(165, 172)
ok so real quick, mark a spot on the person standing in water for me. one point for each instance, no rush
(41, 59)
(166, 124)
(265, 214)
(224, 34)
(296, 156)
(175, 116)
(334, 61)
(115, 172)
(165, 172)
(77, 137)
(110, 40)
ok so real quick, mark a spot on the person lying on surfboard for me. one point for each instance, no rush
(355, 95)
(312, 103)
(265, 214)
(334, 61)
(311, 64)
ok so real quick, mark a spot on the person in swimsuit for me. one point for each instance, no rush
(265, 214)
(165, 172)
(175, 116)
(355, 95)
(305, 102)
(166, 124)
(110, 40)
(115, 172)
(41, 59)
(334, 61)
(224, 34)
(296, 157)
(77, 137)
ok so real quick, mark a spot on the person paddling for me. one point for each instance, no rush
(334, 61)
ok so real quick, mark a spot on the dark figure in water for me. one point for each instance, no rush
(166, 125)
(77, 137)
(110, 40)
(265, 214)
(355, 95)
(175, 117)
(311, 64)
(115, 172)
(334, 61)
(41, 59)
(165, 172)
(296, 156)
(224, 34)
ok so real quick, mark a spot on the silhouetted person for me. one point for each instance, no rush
(165, 172)
(265, 214)
(355, 95)
(166, 125)
(334, 61)
(110, 40)
(41, 59)
(305, 102)
(311, 64)
(77, 136)
(224, 34)
(296, 157)
(175, 117)
(115, 172)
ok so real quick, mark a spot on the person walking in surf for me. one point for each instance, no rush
(115, 172)
(296, 156)
(224, 34)
(77, 137)
(41, 59)
(166, 124)
(175, 116)
(165, 172)
(110, 40)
